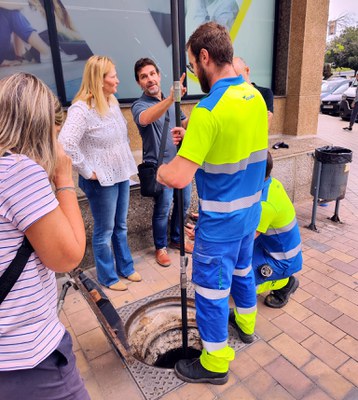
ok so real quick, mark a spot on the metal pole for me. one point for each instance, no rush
(335, 217)
(179, 192)
(312, 225)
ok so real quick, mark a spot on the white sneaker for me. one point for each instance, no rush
(47, 58)
(67, 57)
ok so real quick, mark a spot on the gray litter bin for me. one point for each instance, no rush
(329, 179)
(333, 176)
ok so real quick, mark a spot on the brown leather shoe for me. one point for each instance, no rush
(188, 247)
(118, 286)
(135, 277)
(162, 258)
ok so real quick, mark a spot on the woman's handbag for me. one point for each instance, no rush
(147, 171)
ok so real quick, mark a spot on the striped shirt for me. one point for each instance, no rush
(29, 327)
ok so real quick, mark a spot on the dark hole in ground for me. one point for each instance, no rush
(168, 359)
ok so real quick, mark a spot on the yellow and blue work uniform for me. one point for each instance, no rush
(279, 244)
(227, 137)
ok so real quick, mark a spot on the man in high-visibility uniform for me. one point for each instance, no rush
(225, 146)
(277, 249)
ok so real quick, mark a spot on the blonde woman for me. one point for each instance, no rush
(36, 357)
(95, 137)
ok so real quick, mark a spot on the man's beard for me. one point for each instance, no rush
(153, 90)
(203, 79)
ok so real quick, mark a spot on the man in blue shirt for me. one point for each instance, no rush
(149, 113)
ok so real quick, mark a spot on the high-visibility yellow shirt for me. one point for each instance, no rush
(227, 136)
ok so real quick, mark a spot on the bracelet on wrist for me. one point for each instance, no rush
(61, 189)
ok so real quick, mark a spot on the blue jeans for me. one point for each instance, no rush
(12, 21)
(162, 205)
(109, 206)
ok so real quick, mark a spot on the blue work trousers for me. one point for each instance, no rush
(221, 269)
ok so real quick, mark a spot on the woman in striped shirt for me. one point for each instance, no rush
(36, 357)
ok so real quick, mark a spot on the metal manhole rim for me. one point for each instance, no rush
(155, 382)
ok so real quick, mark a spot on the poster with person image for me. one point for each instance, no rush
(24, 39)
(251, 25)
(126, 30)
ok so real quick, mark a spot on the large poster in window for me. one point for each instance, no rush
(24, 44)
(251, 27)
(124, 30)
(127, 30)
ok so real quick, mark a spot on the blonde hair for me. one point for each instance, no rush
(59, 116)
(27, 119)
(91, 88)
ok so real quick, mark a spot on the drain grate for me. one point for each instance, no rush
(155, 382)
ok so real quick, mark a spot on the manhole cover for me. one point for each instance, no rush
(154, 382)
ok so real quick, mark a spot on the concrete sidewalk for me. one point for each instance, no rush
(308, 350)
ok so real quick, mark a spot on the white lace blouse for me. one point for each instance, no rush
(98, 143)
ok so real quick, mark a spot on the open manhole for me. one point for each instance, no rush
(153, 327)
(155, 336)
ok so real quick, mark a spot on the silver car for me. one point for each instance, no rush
(331, 103)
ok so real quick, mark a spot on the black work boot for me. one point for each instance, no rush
(244, 337)
(279, 298)
(192, 371)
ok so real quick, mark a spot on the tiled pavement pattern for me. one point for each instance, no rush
(308, 350)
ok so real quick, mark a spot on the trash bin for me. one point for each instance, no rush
(331, 167)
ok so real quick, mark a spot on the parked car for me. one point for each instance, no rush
(329, 87)
(331, 103)
(345, 106)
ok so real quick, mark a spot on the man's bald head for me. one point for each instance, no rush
(241, 68)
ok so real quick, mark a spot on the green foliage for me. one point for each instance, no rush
(341, 69)
(343, 49)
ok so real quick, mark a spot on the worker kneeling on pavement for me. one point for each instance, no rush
(277, 247)
(277, 253)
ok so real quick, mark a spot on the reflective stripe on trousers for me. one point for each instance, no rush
(214, 265)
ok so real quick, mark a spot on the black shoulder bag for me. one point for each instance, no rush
(17, 265)
(147, 171)
(13, 271)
